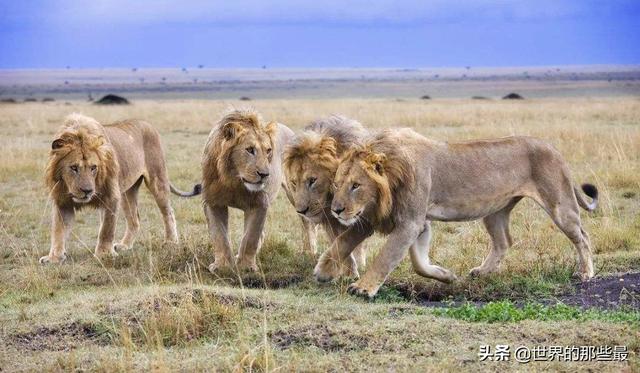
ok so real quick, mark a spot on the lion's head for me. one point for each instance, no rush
(242, 149)
(367, 180)
(82, 165)
(310, 165)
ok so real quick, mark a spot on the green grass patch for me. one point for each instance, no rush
(507, 311)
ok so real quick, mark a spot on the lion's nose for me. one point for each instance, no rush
(338, 210)
(303, 212)
(262, 174)
(86, 191)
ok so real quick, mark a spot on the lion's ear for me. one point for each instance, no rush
(329, 145)
(230, 130)
(271, 128)
(376, 160)
(57, 144)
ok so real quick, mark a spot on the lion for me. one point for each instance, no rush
(97, 166)
(242, 168)
(310, 163)
(399, 181)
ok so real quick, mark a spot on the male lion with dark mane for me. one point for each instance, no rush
(91, 165)
(310, 164)
(399, 181)
(242, 168)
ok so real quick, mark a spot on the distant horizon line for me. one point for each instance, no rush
(204, 67)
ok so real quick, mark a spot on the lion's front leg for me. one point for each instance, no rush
(254, 220)
(61, 222)
(338, 260)
(218, 221)
(393, 251)
(107, 231)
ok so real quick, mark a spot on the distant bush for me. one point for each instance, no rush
(48, 99)
(111, 99)
(479, 98)
(425, 97)
(245, 98)
(30, 99)
(513, 96)
(8, 101)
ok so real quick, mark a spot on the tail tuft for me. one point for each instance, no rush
(590, 190)
(197, 189)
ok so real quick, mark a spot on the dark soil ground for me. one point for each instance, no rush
(606, 292)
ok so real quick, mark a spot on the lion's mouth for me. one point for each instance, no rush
(348, 221)
(253, 186)
(84, 199)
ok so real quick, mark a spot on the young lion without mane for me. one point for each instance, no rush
(399, 181)
(91, 165)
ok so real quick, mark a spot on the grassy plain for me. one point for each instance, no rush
(157, 307)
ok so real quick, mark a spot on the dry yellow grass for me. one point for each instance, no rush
(600, 139)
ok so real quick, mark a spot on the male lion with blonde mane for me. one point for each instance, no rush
(242, 168)
(310, 164)
(97, 166)
(399, 181)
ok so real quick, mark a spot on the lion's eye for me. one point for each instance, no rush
(355, 186)
(74, 168)
(251, 150)
(94, 168)
(269, 151)
(312, 180)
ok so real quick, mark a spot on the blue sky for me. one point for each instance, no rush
(327, 33)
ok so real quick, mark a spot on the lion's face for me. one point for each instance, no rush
(79, 174)
(252, 154)
(310, 165)
(76, 163)
(311, 189)
(356, 191)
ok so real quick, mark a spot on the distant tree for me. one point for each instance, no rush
(134, 69)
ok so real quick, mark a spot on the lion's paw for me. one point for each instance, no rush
(479, 272)
(106, 253)
(246, 265)
(53, 259)
(329, 268)
(582, 276)
(219, 264)
(121, 247)
(363, 290)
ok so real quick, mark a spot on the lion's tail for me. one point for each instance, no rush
(197, 189)
(591, 191)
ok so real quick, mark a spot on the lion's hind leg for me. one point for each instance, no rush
(159, 187)
(419, 253)
(567, 218)
(130, 208)
(497, 225)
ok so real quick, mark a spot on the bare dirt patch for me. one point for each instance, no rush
(65, 337)
(319, 336)
(607, 292)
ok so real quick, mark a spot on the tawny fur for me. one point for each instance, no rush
(314, 156)
(97, 166)
(427, 180)
(241, 147)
